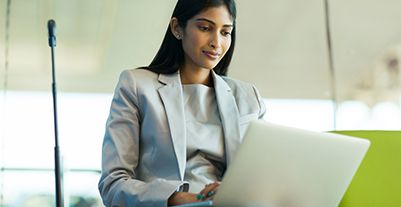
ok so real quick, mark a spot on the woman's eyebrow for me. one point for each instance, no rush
(211, 22)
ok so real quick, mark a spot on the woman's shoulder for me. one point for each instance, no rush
(137, 78)
(246, 94)
(241, 88)
(236, 84)
(139, 73)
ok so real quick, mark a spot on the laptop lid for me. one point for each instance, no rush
(279, 166)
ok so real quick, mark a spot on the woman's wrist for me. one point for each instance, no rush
(178, 198)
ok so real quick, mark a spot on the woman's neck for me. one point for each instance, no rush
(196, 76)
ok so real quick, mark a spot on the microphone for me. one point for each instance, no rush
(51, 27)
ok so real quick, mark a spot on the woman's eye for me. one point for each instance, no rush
(226, 33)
(204, 28)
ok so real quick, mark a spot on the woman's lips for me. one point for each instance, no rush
(211, 55)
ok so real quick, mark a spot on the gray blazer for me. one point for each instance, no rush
(144, 147)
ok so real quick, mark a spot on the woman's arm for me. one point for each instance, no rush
(119, 185)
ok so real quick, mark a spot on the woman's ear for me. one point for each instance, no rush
(175, 28)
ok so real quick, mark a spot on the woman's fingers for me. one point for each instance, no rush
(208, 192)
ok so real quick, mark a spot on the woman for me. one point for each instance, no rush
(175, 125)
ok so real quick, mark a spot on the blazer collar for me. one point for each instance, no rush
(170, 79)
(172, 97)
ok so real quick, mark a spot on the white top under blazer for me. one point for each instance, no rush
(205, 139)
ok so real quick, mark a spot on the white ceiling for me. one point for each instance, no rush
(281, 45)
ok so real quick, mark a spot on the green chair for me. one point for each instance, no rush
(377, 183)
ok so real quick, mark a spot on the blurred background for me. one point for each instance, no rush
(319, 64)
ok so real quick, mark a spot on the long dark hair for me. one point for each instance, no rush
(171, 55)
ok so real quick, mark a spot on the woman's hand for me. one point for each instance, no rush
(179, 198)
(208, 192)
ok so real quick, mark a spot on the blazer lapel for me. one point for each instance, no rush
(171, 95)
(229, 116)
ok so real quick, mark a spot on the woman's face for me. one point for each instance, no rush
(207, 37)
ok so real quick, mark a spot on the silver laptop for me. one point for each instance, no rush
(279, 166)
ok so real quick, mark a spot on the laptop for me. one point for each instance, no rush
(278, 166)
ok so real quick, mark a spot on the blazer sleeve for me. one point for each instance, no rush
(119, 185)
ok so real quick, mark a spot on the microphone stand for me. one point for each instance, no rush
(51, 26)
